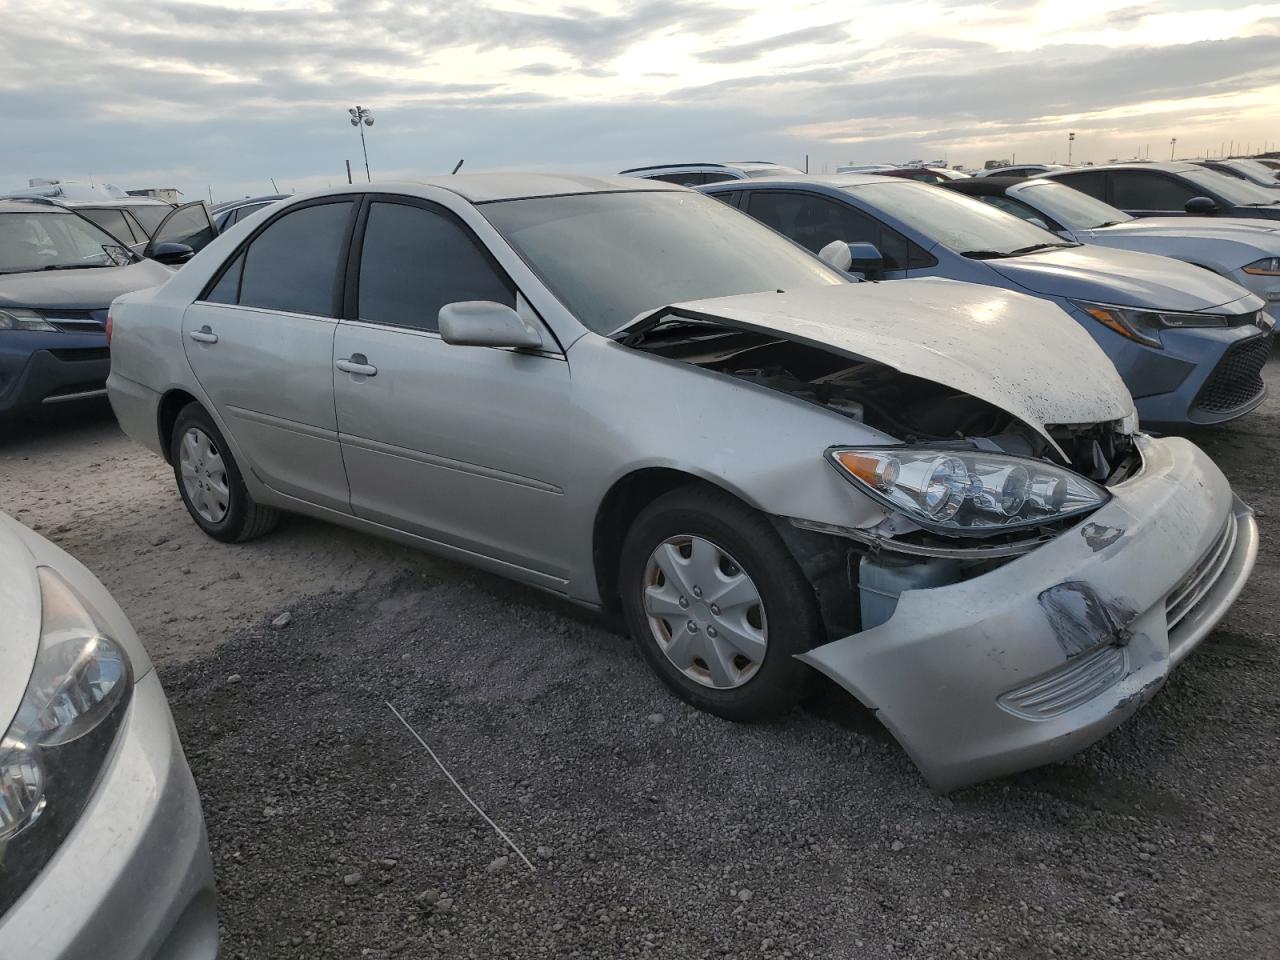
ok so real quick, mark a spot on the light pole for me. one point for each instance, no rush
(1071, 138)
(362, 117)
(1173, 142)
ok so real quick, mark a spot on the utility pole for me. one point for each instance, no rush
(1173, 142)
(348, 171)
(1071, 138)
(362, 117)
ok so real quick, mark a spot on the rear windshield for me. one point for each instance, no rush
(1070, 207)
(612, 257)
(31, 241)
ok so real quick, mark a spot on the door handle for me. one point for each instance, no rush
(204, 335)
(358, 364)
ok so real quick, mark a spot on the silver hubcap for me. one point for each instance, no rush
(704, 612)
(204, 476)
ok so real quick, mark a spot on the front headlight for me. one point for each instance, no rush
(1144, 326)
(54, 750)
(14, 318)
(1266, 267)
(966, 492)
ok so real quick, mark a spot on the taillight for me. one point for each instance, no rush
(108, 329)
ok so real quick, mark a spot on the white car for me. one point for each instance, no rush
(697, 174)
(1021, 170)
(1246, 251)
(103, 853)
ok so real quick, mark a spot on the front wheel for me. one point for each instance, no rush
(209, 480)
(718, 605)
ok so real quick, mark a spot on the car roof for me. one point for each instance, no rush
(837, 180)
(31, 205)
(715, 165)
(1170, 166)
(226, 205)
(489, 187)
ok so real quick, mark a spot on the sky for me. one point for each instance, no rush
(217, 97)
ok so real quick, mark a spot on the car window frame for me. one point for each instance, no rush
(344, 256)
(1137, 172)
(355, 253)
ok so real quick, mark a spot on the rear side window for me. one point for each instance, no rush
(227, 289)
(1141, 190)
(293, 264)
(112, 221)
(1092, 182)
(813, 222)
(415, 261)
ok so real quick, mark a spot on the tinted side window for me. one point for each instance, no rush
(414, 261)
(113, 222)
(717, 177)
(139, 235)
(1092, 182)
(293, 264)
(227, 289)
(683, 179)
(1140, 190)
(814, 221)
(731, 197)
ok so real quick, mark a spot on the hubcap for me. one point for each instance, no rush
(204, 476)
(704, 612)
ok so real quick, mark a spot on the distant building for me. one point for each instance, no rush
(167, 194)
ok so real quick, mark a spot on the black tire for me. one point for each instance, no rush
(791, 609)
(244, 519)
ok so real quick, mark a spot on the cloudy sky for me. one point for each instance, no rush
(225, 94)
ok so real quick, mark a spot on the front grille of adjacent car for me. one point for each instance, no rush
(1237, 380)
(1192, 588)
(82, 354)
(76, 321)
(1068, 687)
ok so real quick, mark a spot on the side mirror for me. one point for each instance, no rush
(1201, 206)
(173, 254)
(863, 258)
(483, 323)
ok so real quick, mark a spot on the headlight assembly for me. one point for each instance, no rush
(1266, 267)
(14, 318)
(1144, 326)
(55, 748)
(967, 493)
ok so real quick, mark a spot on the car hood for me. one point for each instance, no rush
(1120, 277)
(1019, 353)
(20, 601)
(1224, 228)
(90, 289)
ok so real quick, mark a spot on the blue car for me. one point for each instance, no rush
(1190, 345)
(59, 273)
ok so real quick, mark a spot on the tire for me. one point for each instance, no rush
(221, 507)
(727, 536)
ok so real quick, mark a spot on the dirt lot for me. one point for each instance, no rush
(655, 831)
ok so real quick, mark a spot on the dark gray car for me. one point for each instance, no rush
(1172, 190)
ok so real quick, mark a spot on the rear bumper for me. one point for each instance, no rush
(43, 379)
(137, 409)
(134, 878)
(1039, 658)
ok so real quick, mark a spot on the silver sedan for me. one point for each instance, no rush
(635, 397)
(103, 854)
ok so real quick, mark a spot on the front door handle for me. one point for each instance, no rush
(358, 364)
(204, 335)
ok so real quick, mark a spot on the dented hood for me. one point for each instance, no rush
(1021, 354)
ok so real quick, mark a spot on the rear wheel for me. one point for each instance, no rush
(717, 604)
(210, 483)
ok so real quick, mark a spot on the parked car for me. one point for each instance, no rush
(632, 396)
(1189, 345)
(1245, 251)
(102, 842)
(58, 274)
(696, 174)
(231, 212)
(1172, 190)
(925, 174)
(1251, 171)
(1021, 170)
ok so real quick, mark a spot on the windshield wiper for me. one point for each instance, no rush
(983, 254)
(76, 266)
(1039, 246)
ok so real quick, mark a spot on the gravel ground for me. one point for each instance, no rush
(653, 830)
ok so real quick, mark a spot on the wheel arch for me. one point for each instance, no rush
(171, 404)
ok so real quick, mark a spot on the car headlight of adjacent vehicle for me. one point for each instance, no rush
(967, 492)
(15, 318)
(1266, 267)
(1144, 326)
(56, 746)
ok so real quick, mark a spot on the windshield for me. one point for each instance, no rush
(611, 257)
(1071, 207)
(54, 241)
(1240, 193)
(961, 223)
(1258, 173)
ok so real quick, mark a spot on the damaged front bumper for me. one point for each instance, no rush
(1034, 661)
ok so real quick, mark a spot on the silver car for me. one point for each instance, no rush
(103, 853)
(635, 397)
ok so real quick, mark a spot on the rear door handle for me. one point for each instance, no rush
(204, 335)
(358, 364)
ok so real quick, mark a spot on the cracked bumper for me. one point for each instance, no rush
(982, 678)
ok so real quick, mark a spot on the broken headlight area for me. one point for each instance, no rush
(967, 493)
(58, 743)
